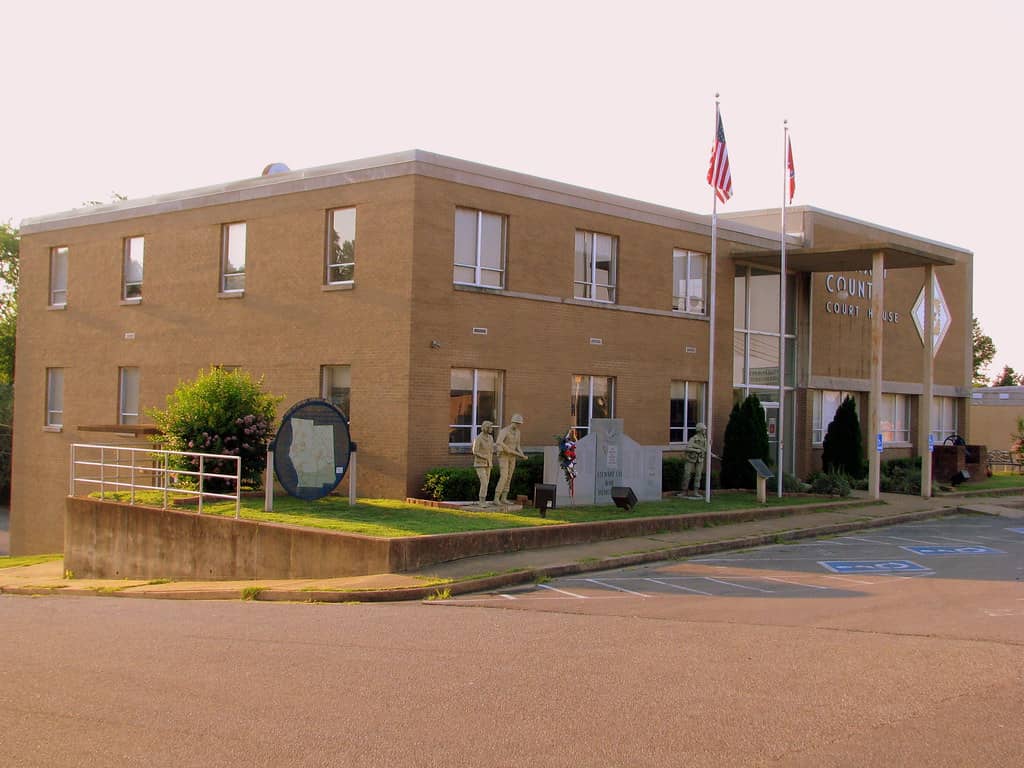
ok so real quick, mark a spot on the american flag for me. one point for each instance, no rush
(790, 170)
(719, 176)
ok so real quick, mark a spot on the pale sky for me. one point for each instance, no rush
(906, 114)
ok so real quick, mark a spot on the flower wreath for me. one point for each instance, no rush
(567, 458)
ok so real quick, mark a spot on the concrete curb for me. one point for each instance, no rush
(487, 583)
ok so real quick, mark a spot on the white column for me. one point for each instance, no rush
(875, 396)
(924, 426)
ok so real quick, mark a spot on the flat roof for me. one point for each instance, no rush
(411, 162)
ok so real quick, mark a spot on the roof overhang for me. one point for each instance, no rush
(847, 258)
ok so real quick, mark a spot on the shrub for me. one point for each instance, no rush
(901, 476)
(221, 412)
(461, 483)
(790, 484)
(746, 437)
(843, 446)
(830, 483)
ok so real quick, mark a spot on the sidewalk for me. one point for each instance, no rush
(489, 572)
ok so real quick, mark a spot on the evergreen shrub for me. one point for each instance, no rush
(746, 437)
(843, 446)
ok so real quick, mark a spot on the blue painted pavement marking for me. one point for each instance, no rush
(954, 550)
(1016, 530)
(873, 566)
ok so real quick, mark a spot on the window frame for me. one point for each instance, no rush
(126, 259)
(681, 302)
(225, 253)
(128, 375)
(585, 289)
(325, 390)
(687, 430)
(897, 434)
(478, 248)
(476, 417)
(576, 394)
(819, 427)
(54, 417)
(940, 431)
(58, 251)
(330, 264)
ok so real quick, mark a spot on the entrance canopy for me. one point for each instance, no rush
(848, 258)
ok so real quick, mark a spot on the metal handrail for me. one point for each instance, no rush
(159, 467)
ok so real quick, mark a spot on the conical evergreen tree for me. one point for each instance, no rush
(843, 447)
(746, 437)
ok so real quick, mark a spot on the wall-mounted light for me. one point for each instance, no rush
(435, 344)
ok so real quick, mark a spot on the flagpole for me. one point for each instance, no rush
(711, 328)
(780, 429)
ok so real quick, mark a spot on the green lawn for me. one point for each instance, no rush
(998, 482)
(389, 518)
(13, 562)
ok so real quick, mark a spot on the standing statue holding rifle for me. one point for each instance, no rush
(508, 449)
(694, 453)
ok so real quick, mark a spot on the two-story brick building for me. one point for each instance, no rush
(426, 294)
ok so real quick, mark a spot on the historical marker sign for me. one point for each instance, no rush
(312, 449)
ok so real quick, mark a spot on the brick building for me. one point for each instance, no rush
(426, 294)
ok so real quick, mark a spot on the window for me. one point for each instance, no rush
(944, 422)
(128, 387)
(341, 246)
(232, 260)
(593, 397)
(59, 276)
(475, 397)
(686, 410)
(134, 247)
(689, 278)
(54, 397)
(824, 404)
(895, 418)
(480, 244)
(595, 266)
(336, 385)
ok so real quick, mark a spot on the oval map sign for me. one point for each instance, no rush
(312, 449)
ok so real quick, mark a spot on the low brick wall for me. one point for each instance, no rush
(105, 539)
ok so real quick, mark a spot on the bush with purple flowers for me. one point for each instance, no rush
(221, 412)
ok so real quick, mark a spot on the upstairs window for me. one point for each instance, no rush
(341, 246)
(596, 257)
(480, 243)
(128, 386)
(689, 281)
(134, 250)
(59, 276)
(232, 260)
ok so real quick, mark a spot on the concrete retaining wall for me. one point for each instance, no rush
(105, 539)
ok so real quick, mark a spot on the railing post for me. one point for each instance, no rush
(165, 476)
(103, 475)
(202, 485)
(238, 487)
(71, 473)
(133, 476)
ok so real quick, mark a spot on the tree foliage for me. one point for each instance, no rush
(221, 412)
(984, 351)
(1008, 378)
(843, 447)
(9, 265)
(746, 437)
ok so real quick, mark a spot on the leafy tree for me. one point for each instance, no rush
(843, 445)
(984, 351)
(9, 263)
(746, 437)
(221, 412)
(1008, 378)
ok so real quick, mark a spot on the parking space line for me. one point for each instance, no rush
(679, 586)
(913, 541)
(962, 541)
(740, 586)
(612, 586)
(508, 597)
(562, 591)
(794, 583)
(844, 578)
(869, 541)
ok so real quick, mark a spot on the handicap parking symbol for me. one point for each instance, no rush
(873, 566)
(962, 550)
(1016, 530)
